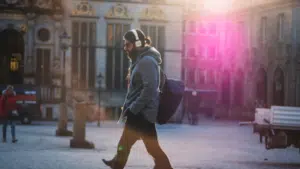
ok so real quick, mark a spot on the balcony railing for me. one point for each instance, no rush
(49, 94)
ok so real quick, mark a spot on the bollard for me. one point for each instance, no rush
(78, 141)
(63, 122)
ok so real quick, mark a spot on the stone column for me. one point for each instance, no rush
(57, 50)
(63, 122)
(81, 115)
(30, 47)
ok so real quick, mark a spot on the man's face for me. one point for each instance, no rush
(128, 48)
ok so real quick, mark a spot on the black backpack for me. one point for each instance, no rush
(171, 95)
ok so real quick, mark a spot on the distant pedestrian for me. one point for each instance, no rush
(8, 111)
(193, 104)
(141, 103)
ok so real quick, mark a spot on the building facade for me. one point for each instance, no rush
(96, 57)
(257, 55)
(31, 31)
(30, 52)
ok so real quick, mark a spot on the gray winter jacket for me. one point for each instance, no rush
(143, 93)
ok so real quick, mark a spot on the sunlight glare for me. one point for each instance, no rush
(218, 6)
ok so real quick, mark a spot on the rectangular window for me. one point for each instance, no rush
(83, 68)
(83, 54)
(191, 77)
(263, 29)
(158, 37)
(241, 33)
(117, 62)
(161, 37)
(210, 77)
(75, 50)
(92, 57)
(110, 34)
(43, 66)
(201, 52)
(212, 52)
(191, 53)
(212, 29)
(202, 28)
(192, 6)
(192, 26)
(201, 76)
(280, 28)
(298, 89)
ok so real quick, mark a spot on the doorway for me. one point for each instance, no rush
(11, 57)
(261, 86)
(278, 87)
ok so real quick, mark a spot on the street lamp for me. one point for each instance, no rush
(99, 81)
(63, 119)
(64, 45)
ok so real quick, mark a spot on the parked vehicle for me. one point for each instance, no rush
(26, 96)
(279, 126)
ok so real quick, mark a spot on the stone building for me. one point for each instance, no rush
(257, 55)
(97, 29)
(30, 37)
(30, 52)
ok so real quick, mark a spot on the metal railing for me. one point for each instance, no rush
(49, 94)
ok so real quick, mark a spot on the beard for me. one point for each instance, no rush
(132, 55)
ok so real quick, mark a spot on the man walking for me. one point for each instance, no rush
(8, 112)
(141, 104)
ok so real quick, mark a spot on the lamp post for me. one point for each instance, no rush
(63, 119)
(64, 45)
(99, 81)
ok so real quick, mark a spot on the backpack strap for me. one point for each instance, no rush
(162, 79)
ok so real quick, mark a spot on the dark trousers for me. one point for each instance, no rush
(137, 127)
(194, 118)
(4, 128)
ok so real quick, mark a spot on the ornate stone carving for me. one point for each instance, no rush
(57, 4)
(29, 81)
(118, 11)
(57, 25)
(83, 8)
(22, 28)
(56, 65)
(11, 2)
(153, 13)
(31, 16)
(57, 17)
(12, 16)
(45, 4)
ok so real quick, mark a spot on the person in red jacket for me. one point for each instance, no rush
(8, 110)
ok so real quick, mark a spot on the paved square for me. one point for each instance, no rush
(210, 145)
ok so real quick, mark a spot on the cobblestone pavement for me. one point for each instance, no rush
(210, 145)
